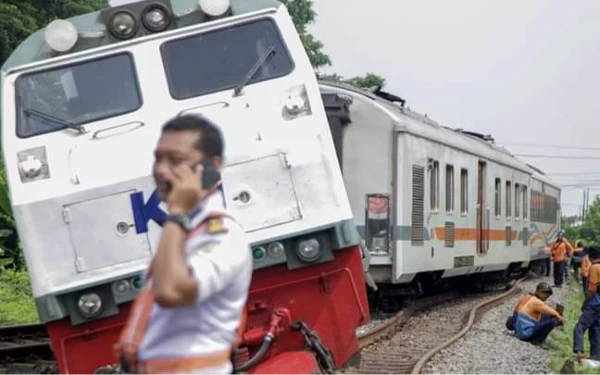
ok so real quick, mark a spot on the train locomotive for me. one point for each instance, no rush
(436, 205)
(82, 101)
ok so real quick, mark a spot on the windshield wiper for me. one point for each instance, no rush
(65, 124)
(259, 63)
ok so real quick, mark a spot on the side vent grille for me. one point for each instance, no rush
(508, 235)
(449, 234)
(418, 194)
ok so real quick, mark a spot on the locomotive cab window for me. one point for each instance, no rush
(220, 60)
(68, 96)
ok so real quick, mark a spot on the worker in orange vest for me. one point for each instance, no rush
(534, 320)
(560, 249)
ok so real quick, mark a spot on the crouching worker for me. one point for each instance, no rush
(590, 311)
(534, 319)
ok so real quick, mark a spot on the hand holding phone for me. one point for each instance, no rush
(190, 185)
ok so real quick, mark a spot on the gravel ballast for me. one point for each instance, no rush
(489, 347)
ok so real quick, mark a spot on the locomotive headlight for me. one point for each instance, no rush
(309, 250)
(90, 305)
(121, 287)
(214, 8)
(33, 164)
(122, 25)
(156, 18)
(61, 35)
(275, 249)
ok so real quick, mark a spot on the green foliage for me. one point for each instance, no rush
(560, 342)
(16, 299)
(20, 18)
(303, 14)
(589, 230)
(367, 81)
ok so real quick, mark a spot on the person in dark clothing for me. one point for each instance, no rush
(590, 311)
(578, 255)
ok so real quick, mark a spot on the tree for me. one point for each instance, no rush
(589, 230)
(20, 18)
(303, 14)
(367, 81)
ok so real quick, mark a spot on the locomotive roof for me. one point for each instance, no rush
(420, 125)
(93, 34)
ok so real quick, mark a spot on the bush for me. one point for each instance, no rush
(16, 300)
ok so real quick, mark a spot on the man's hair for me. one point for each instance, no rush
(543, 287)
(579, 244)
(593, 252)
(210, 140)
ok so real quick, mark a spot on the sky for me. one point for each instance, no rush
(524, 71)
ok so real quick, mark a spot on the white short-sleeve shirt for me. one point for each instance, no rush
(222, 264)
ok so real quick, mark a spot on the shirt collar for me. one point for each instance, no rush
(212, 203)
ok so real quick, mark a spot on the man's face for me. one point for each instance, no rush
(174, 148)
(560, 236)
(544, 295)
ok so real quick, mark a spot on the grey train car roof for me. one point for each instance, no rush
(35, 49)
(421, 126)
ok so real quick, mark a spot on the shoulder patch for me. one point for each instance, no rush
(216, 225)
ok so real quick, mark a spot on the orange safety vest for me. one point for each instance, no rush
(127, 347)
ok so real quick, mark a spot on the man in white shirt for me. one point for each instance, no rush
(198, 281)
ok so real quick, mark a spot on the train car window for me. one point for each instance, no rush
(517, 201)
(464, 191)
(508, 200)
(76, 94)
(525, 199)
(220, 60)
(377, 222)
(498, 197)
(449, 189)
(434, 186)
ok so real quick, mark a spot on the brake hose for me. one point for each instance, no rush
(259, 354)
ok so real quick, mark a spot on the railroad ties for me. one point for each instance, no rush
(404, 343)
(25, 349)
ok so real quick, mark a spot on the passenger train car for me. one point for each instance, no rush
(82, 104)
(434, 203)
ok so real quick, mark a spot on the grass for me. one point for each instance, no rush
(560, 342)
(16, 299)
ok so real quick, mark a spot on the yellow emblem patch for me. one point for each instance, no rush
(216, 226)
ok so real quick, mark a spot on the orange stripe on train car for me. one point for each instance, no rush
(470, 234)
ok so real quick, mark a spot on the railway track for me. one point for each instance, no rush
(397, 346)
(25, 349)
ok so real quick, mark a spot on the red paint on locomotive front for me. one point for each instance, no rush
(329, 297)
(83, 348)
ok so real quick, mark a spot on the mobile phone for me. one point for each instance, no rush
(210, 176)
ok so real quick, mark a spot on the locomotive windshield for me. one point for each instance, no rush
(72, 95)
(219, 60)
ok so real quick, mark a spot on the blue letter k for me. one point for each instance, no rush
(144, 212)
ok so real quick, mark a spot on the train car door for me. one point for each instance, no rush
(482, 225)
